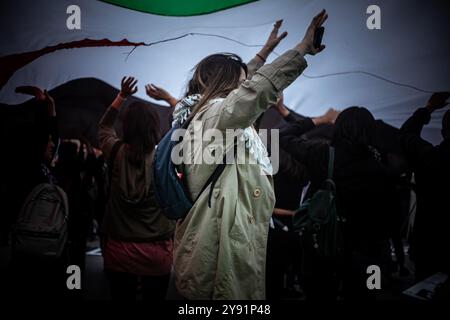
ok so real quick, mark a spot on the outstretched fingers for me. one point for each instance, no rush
(282, 36)
(318, 19)
(321, 48)
(322, 20)
(275, 29)
(133, 83)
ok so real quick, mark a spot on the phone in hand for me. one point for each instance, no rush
(318, 34)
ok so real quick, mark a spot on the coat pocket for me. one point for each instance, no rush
(243, 228)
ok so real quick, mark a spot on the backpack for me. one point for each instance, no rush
(170, 189)
(317, 221)
(41, 227)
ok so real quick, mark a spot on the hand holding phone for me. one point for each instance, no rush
(318, 34)
(312, 41)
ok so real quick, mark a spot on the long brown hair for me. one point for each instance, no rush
(140, 131)
(215, 77)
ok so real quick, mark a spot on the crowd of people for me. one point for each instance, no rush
(238, 240)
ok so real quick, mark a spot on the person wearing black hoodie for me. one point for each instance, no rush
(363, 192)
(431, 166)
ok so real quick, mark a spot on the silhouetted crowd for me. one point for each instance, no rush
(239, 240)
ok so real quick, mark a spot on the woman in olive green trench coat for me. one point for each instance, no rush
(220, 251)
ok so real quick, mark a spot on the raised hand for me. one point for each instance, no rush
(32, 91)
(438, 100)
(159, 94)
(273, 40)
(128, 87)
(328, 117)
(39, 95)
(331, 115)
(307, 44)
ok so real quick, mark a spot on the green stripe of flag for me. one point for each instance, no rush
(178, 7)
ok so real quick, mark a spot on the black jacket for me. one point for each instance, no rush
(364, 188)
(431, 165)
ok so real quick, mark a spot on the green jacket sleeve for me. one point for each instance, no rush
(242, 106)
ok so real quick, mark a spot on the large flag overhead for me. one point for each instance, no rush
(391, 70)
(178, 7)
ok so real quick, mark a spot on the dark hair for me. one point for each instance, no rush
(446, 125)
(355, 127)
(216, 76)
(140, 130)
(68, 160)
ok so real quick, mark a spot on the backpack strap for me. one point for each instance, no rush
(216, 175)
(330, 162)
(217, 171)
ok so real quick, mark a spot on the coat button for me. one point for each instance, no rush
(257, 192)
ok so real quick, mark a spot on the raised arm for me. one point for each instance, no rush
(261, 57)
(300, 148)
(106, 134)
(284, 112)
(45, 126)
(281, 108)
(159, 94)
(414, 146)
(242, 106)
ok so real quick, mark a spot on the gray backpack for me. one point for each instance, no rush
(41, 228)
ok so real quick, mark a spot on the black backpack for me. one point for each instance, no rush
(317, 221)
(41, 227)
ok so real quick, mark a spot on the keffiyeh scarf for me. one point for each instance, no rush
(183, 109)
(250, 137)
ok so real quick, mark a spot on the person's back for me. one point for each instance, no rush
(138, 237)
(432, 177)
(430, 239)
(132, 213)
(220, 246)
(362, 196)
(360, 177)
